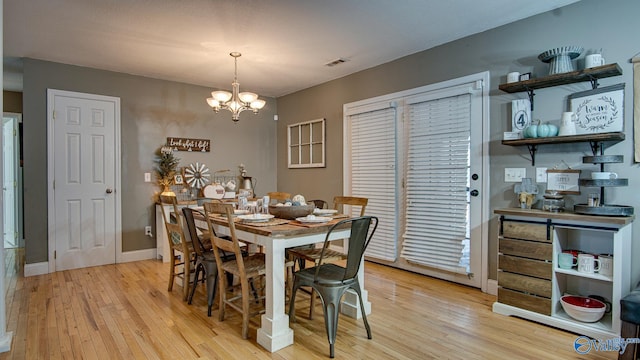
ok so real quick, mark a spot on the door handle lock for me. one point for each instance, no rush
(109, 190)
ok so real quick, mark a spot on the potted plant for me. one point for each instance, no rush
(166, 166)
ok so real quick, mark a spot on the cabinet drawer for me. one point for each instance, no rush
(526, 284)
(528, 302)
(518, 230)
(526, 249)
(518, 265)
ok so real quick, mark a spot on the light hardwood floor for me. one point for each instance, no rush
(125, 312)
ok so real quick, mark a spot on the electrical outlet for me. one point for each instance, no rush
(541, 175)
(514, 174)
(147, 177)
(147, 231)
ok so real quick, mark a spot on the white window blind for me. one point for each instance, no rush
(437, 181)
(373, 175)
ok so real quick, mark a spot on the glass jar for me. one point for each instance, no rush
(553, 205)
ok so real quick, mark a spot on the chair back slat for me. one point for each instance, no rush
(279, 195)
(340, 201)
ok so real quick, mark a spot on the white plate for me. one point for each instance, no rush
(255, 217)
(315, 219)
(324, 211)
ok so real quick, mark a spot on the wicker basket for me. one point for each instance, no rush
(290, 212)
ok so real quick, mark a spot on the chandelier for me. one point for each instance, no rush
(237, 101)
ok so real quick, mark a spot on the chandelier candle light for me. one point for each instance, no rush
(237, 101)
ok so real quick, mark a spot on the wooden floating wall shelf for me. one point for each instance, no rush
(592, 75)
(595, 140)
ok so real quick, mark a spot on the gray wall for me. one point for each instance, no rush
(593, 24)
(151, 110)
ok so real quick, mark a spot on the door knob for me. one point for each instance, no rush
(474, 193)
(109, 190)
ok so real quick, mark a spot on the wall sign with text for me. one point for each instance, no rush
(186, 144)
(600, 110)
(520, 114)
(564, 181)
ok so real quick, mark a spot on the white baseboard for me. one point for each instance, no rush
(36, 269)
(492, 287)
(129, 256)
(138, 255)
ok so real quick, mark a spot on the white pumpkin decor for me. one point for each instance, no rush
(299, 200)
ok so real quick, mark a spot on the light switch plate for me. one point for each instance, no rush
(514, 174)
(541, 175)
(147, 177)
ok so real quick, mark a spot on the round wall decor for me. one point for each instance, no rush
(197, 175)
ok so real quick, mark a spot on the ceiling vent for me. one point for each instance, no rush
(336, 62)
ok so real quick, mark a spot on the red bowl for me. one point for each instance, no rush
(584, 302)
(583, 308)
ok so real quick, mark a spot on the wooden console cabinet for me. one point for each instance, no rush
(530, 283)
(525, 253)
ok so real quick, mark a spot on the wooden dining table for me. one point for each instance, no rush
(274, 238)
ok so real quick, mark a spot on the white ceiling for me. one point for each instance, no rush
(285, 44)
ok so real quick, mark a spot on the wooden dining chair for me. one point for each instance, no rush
(180, 249)
(340, 201)
(279, 196)
(250, 269)
(331, 281)
(302, 254)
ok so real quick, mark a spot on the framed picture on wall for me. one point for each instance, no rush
(178, 179)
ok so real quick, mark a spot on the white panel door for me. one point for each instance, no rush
(85, 174)
(10, 181)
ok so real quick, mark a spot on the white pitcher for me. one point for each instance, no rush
(568, 126)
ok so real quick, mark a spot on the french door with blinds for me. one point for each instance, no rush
(419, 156)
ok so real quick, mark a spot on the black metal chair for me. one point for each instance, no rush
(205, 260)
(331, 281)
(302, 254)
